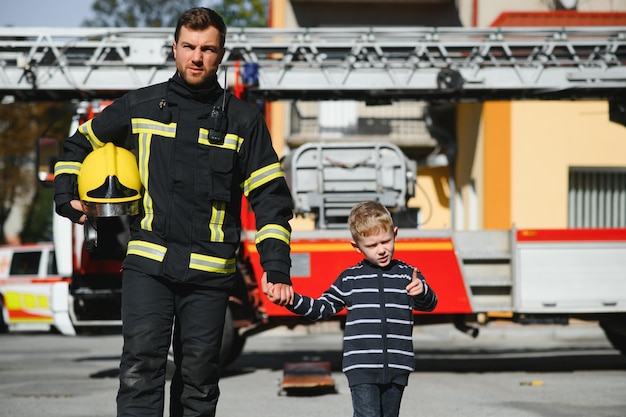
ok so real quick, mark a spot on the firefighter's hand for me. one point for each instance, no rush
(268, 288)
(74, 211)
(416, 286)
(281, 294)
(77, 205)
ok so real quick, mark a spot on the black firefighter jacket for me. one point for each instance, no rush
(189, 224)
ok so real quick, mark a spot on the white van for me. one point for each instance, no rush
(32, 292)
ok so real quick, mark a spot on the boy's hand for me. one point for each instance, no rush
(416, 286)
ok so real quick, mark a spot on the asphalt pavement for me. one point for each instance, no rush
(508, 370)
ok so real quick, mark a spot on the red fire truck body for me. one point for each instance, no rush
(567, 273)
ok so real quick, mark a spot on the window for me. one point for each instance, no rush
(52, 264)
(25, 263)
(597, 197)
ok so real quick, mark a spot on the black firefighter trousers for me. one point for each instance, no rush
(149, 307)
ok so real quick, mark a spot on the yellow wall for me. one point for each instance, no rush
(275, 110)
(432, 196)
(497, 165)
(433, 188)
(516, 155)
(549, 137)
(469, 166)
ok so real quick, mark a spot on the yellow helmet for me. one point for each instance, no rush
(109, 183)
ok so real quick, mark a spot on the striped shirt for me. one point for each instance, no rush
(377, 341)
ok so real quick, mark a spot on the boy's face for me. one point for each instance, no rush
(377, 248)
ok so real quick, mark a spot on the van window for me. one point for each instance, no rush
(52, 264)
(25, 263)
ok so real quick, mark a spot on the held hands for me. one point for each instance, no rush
(416, 286)
(280, 294)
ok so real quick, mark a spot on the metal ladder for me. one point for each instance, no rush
(384, 63)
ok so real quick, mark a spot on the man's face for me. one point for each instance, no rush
(377, 248)
(198, 54)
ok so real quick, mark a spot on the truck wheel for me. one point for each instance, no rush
(232, 341)
(615, 330)
(4, 328)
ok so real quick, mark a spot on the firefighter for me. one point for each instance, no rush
(199, 150)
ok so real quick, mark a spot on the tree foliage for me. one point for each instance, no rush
(244, 13)
(21, 126)
(164, 13)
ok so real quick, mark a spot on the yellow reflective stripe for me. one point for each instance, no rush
(212, 264)
(87, 132)
(216, 223)
(146, 250)
(145, 128)
(67, 167)
(143, 158)
(273, 231)
(261, 177)
(152, 127)
(232, 142)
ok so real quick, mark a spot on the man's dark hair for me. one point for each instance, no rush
(200, 18)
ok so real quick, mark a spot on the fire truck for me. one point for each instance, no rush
(524, 275)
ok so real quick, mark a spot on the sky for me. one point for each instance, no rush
(44, 13)
(50, 13)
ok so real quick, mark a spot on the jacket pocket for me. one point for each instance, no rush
(221, 171)
(217, 172)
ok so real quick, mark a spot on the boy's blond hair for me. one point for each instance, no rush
(368, 218)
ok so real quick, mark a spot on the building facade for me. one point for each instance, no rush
(517, 163)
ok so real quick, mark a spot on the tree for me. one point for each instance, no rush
(244, 13)
(164, 13)
(22, 124)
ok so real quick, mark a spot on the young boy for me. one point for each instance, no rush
(380, 294)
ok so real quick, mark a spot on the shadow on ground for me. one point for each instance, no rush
(460, 361)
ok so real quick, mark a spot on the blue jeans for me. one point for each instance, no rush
(376, 400)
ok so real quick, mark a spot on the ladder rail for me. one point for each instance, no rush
(396, 62)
